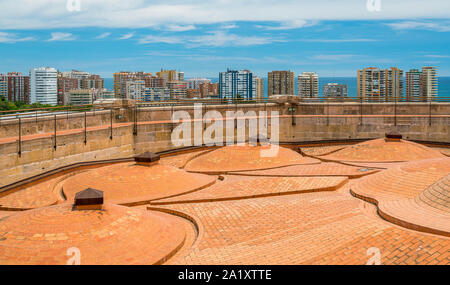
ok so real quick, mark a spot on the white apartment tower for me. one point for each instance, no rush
(43, 85)
(308, 85)
(429, 83)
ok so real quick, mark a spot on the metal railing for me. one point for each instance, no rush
(82, 112)
(42, 112)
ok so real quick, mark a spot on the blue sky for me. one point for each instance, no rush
(332, 38)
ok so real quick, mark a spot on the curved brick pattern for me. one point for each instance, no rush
(437, 195)
(129, 184)
(251, 188)
(323, 169)
(380, 150)
(321, 150)
(413, 195)
(445, 151)
(180, 160)
(35, 196)
(243, 158)
(375, 165)
(319, 228)
(5, 214)
(115, 235)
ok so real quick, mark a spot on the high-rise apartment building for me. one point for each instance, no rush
(429, 83)
(335, 90)
(259, 88)
(120, 79)
(208, 89)
(194, 83)
(177, 89)
(65, 85)
(43, 82)
(412, 85)
(308, 85)
(75, 79)
(15, 87)
(237, 84)
(380, 85)
(4, 86)
(135, 89)
(156, 94)
(170, 75)
(281, 83)
(92, 82)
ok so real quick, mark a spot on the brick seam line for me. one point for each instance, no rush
(129, 203)
(350, 176)
(397, 221)
(209, 200)
(326, 153)
(190, 218)
(242, 170)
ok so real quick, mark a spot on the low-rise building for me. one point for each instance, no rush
(335, 90)
(81, 97)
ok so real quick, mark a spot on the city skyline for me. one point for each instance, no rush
(332, 45)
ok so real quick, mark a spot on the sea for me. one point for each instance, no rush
(443, 85)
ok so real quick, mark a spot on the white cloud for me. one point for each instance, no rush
(180, 28)
(127, 36)
(220, 39)
(57, 36)
(11, 38)
(104, 35)
(38, 14)
(149, 39)
(289, 25)
(229, 26)
(212, 39)
(415, 25)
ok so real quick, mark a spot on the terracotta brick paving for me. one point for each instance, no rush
(5, 213)
(243, 158)
(128, 183)
(445, 151)
(380, 150)
(35, 196)
(312, 228)
(414, 194)
(256, 187)
(115, 235)
(322, 169)
(330, 227)
(180, 160)
(321, 150)
(437, 195)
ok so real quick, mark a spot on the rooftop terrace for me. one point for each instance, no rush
(325, 204)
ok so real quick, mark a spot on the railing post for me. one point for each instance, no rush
(111, 123)
(85, 129)
(293, 118)
(20, 137)
(171, 116)
(204, 122)
(395, 111)
(328, 111)
(54, 136)
(360, 111)
(135, 120)
(429, 118)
